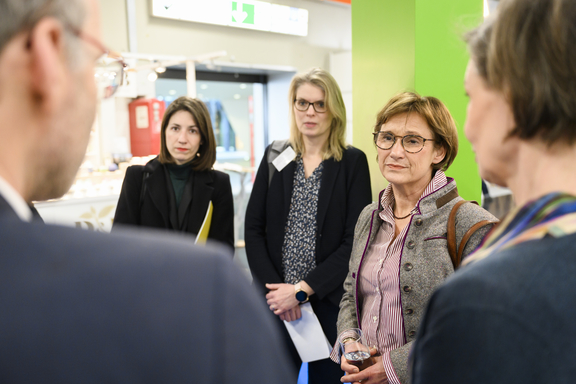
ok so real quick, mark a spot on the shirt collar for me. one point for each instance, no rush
(387, 198)
(15, 201)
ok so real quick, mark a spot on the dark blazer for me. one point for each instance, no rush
(344, 192)
(155, 212)
(128, 307)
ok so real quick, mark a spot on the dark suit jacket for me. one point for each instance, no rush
(129, 307)
(155, 212)
(344, 192)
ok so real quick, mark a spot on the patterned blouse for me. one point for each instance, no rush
(299, 248)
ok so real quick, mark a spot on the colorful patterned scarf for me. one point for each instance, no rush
(551, 215)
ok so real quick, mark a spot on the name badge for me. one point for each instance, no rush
(284, 158)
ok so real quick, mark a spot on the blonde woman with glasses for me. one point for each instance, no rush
(301, 215)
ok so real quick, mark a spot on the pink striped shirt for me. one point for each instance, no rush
(379, 283)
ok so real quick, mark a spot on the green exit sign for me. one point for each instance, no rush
(242, 13)
(249, 14)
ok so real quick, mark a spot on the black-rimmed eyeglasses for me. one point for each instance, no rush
(410, 143)
(303, 105)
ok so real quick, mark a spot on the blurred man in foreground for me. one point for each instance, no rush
(85, 307)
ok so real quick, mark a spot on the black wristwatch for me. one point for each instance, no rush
(300, 294)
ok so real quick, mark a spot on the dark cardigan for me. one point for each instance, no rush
(344, 192)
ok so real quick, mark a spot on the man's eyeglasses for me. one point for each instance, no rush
(109, 74)
(410, 143)
(303, 105)
(109, 67)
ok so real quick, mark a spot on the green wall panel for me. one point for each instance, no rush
(382, 65)
(441, 58)
(406, 45)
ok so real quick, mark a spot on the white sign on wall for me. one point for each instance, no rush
(142, 116)
(250, 14)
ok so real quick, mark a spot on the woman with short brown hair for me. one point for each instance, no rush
(401, 247)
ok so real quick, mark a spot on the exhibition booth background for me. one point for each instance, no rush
(374, 49)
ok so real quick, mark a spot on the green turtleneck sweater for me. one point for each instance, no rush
(179, 175)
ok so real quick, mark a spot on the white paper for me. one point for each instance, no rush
(284, 158)
(308, 337)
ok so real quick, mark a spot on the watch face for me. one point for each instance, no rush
(301, 296)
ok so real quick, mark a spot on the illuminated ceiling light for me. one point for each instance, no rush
(152, 76)
(243, 86)
(203, 86)
(160, 69)
(172, 92)
(237, 96)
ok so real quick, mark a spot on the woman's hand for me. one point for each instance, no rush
(374, 374)
(292, 314)
(347, 367)
(282, 298)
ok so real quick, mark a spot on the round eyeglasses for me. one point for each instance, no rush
(410, 143)
(303, 105)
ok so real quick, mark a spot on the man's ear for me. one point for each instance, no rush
(48, 64)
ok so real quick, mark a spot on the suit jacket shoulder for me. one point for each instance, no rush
(78, 298)
(353, 152)
(219, 177)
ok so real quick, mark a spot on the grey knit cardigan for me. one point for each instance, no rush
(424, 263)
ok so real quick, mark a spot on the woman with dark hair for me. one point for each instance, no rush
(508, 315)
(179, 190)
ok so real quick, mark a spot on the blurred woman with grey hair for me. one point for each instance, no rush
(508, 315)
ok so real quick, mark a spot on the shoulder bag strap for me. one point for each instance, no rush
(454, 250)
(277, 147)
(145, 175)
(469, 234)
(451, 234)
